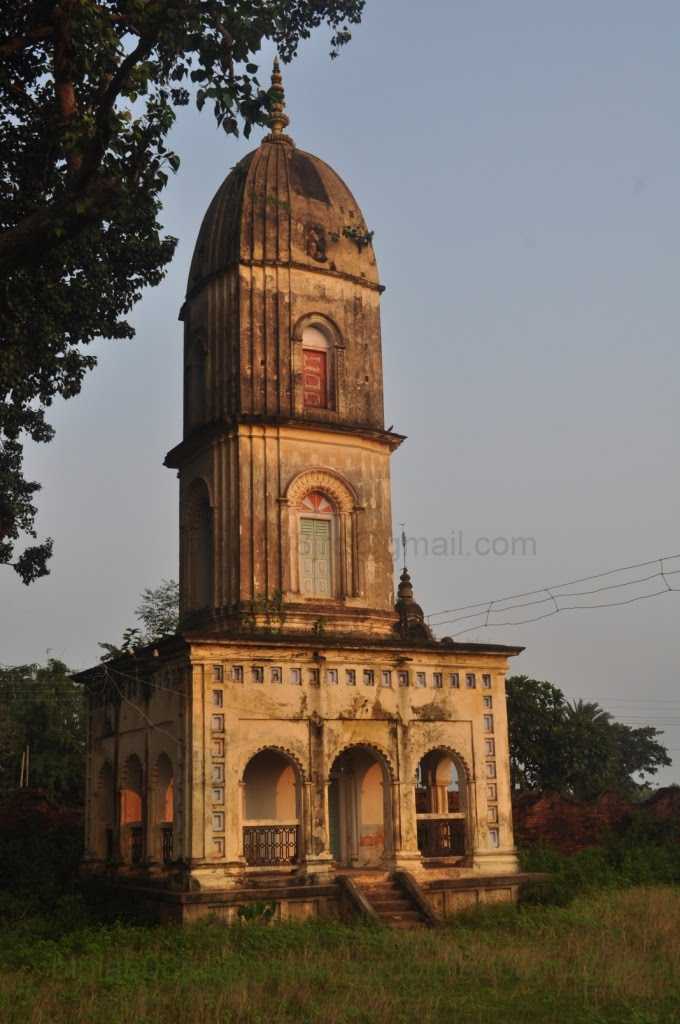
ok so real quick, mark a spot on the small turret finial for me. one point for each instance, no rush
(278, 120)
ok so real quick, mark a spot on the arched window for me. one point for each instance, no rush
(317, 369)
(317, 539)
(321, 524)
(200, 546)
(441, 805)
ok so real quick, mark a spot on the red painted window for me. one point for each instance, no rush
(315, 373)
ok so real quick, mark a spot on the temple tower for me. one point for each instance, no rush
(284, 464)
(300, 723)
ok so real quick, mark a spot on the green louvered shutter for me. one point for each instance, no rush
(315, 557)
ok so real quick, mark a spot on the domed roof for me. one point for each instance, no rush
(281, 205)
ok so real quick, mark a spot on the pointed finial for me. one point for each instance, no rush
(278, 120)
(403, 544)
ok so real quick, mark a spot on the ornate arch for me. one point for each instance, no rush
(374, 748)
(125, 773)
(335, 487)
(451, 752)
(155, 773)
(285, 752)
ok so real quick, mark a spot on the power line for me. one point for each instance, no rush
(561, 586)
(486, 611)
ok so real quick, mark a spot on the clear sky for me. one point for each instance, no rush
(518, 163)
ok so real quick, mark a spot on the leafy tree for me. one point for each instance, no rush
(42, 709)
(577, 748)
(158, 612)
(536, 713)
(88, 94)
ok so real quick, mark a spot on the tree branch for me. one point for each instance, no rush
(45, 230)
(17, 43)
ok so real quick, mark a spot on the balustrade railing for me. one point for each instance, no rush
(270, 844)
(441, 837)
(136, 844)
(167, 838)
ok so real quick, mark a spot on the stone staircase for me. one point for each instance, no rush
(391, 904)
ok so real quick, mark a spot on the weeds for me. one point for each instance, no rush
(609, 958)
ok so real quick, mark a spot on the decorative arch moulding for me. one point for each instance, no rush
(285, 752)
(444, 748)
(322, 322)
(374, 748)
(332, 485)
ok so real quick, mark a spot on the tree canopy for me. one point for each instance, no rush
(88, 94)
(576, 749)
(42, 710)
(158, 613)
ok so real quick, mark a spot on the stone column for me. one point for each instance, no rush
(317, 853)
(406, 854)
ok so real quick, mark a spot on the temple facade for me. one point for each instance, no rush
(303, 735)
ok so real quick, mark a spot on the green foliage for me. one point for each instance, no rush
(361, 238)
(88, 94)
(271, 607)
(158, 612)
(575, 749)
(42, 708)
(621, 862)
(259, 913)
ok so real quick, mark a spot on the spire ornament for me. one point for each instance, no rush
(411, 625)
(278, 120)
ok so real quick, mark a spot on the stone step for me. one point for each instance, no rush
(379, 892)
(390, 906)
(403, 918)
(393, 906)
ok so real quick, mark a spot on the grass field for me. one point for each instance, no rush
(611, 957)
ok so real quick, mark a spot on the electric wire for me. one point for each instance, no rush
(488, 611)
(484, 606)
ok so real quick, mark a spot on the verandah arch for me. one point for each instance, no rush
(105, 812)
(360, 807)
(443, 804)
(272, 808)
(163, 808)
(132, 810)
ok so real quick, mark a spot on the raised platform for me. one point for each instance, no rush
(293, 899)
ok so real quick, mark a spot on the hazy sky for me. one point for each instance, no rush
(518, 163)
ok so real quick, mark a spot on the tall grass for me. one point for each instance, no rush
(611, 957)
